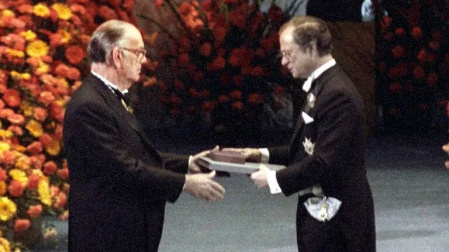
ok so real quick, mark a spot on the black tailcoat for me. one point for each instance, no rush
(337, 163)
(119, 183)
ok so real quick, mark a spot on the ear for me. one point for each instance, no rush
(116, 57)
(311, 49)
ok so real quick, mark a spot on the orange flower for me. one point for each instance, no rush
(16, 119)
(6, 112)
(15, 188)
(17, 130)
(12, 97)
(53, 147)
(34, 211)
(61, 70)
(21, 225)
(40, 114)
(46, 97)
(73, 73)
(75, 54)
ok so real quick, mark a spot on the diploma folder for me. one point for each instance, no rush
(247, 167)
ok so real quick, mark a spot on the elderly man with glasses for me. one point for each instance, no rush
(119, 181)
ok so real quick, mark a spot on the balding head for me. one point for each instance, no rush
(108, 35)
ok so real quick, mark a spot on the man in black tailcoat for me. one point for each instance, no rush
(119, 181)
(325, 161)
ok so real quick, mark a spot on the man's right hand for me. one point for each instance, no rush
(203, 186)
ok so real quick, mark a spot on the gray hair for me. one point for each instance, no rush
(105, 38)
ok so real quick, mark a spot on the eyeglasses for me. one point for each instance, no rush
(139, 52)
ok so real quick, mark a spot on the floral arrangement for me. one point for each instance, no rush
(221, 62)
(413, 63)
(42, 60)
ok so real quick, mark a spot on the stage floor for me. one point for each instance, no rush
(411, 195)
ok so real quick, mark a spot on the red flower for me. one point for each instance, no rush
(75, 54)
(15, 188)
(63, 173)
(217, 64)
(416, 32)
(240, 57)
(33, 181)
(399, 31)
(207, 106)
(205, 49)
(236, 94)
(238, 105)
(12, 97)
(432, 79)
(61, 200)
(395, 87)
(106, 12)
(434, 45)
(398, 51)
(223, 98)
(275, 13)
(422, 55)
(34, 211)
(3, 175)
(21, 225)
(159, 3)
(419, 72)
(184, 59)
(50, 167)
(35, 147)
(255, 98)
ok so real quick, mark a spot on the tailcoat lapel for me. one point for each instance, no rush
(114, 103)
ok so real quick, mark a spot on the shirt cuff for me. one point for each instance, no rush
(273, 183)
(264, 155)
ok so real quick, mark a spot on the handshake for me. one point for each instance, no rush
(200, 184)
